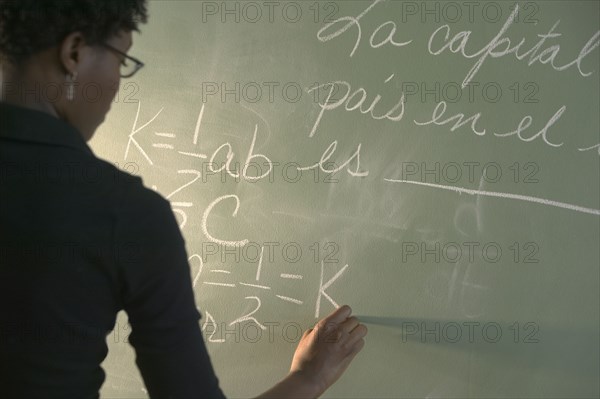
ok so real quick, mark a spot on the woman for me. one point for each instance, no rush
(77, 243)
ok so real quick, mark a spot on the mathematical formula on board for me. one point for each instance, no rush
(248, 164)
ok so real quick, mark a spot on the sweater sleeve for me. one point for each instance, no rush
(157, 294)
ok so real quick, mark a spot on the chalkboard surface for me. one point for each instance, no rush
(433, 164)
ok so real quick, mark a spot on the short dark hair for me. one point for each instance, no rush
(30, 26)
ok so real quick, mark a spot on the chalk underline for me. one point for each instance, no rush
(519, 197)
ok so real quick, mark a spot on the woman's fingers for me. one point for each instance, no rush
(341, 328)
(349, 324)
(331, 323)
(338, 315)
(357, 335)
(356, 347)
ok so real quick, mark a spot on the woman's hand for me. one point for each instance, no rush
(322, 356)
(325, 351)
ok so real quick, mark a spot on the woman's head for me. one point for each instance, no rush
(64, 56)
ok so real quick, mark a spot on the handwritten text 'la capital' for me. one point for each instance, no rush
(441, 40)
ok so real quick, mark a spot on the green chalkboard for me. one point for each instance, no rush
(433, 164)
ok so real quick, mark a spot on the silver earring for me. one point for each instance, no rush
(70, 82)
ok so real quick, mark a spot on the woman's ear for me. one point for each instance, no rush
(71, 51)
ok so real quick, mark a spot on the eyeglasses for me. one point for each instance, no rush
(129, 65)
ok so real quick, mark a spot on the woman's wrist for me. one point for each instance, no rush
(308, 384)
(296, 385)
